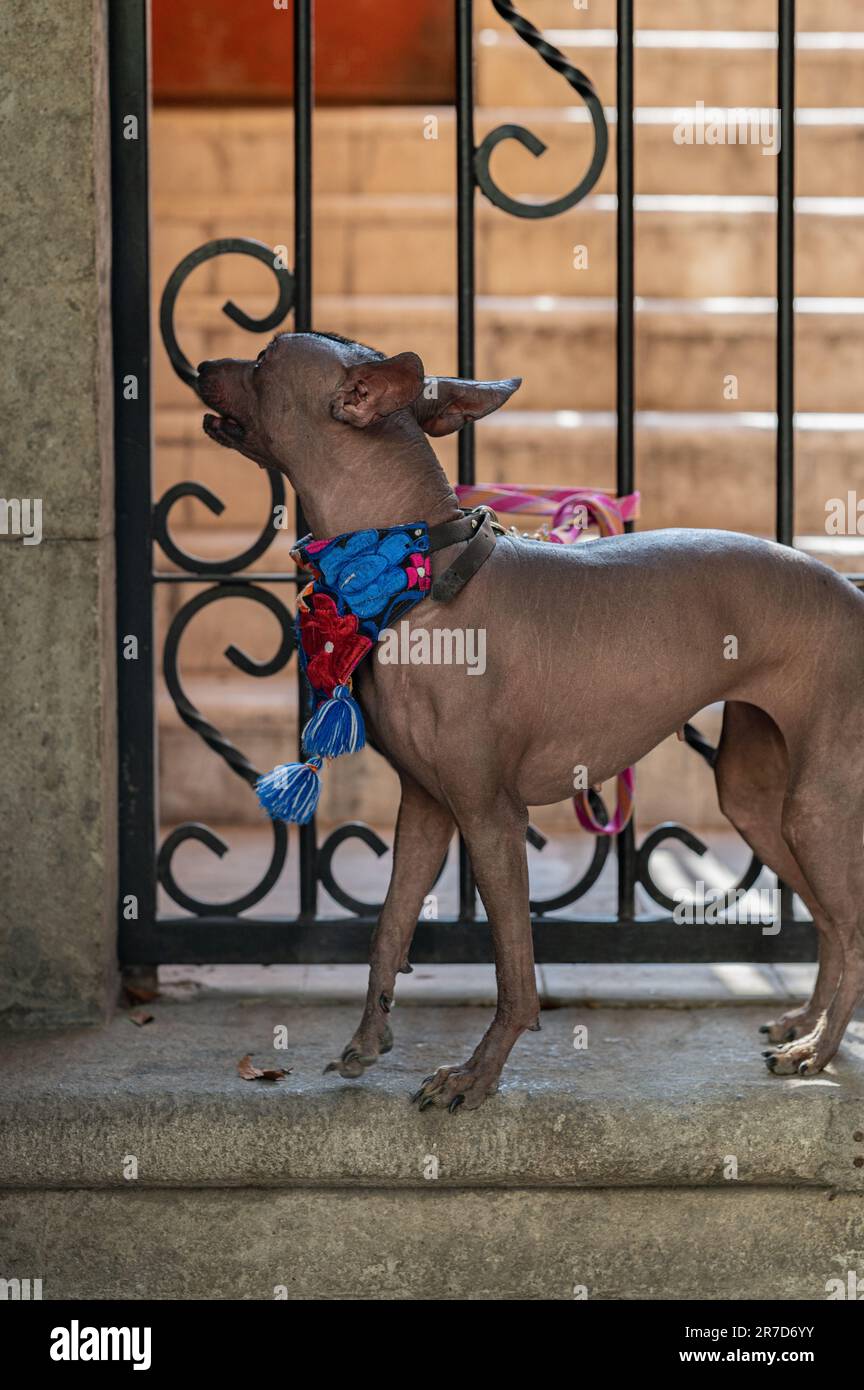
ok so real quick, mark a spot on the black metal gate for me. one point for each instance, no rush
(206, 932)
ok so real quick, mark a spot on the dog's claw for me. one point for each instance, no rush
(358, 1055)
(770, 1061)
(420, 1093)
(764, 1028)
(451, 1088)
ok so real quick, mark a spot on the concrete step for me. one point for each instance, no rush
(678, 14)
(693, 470)
(798, 1134)
(682, 66)
(690, 354)
(248, 153)
(691, 245)
(612, 986)
(583, 1170)
(650, 1243)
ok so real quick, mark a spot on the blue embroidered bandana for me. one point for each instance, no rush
(364, 581)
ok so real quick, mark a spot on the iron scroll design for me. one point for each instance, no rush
(600, 853)
(222, 571)
(219, 744)
(245, 246)
(584, 87)
(356, 831)
(242, 246)
(670, 831)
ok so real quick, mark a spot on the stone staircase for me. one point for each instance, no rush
(385, 273)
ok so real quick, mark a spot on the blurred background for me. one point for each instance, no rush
(384, 272)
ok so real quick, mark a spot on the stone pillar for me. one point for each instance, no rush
(57, 642)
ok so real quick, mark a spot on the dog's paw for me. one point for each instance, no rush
(805, 1057)
(797, 1023)
(455, 1087)
(363, 1051)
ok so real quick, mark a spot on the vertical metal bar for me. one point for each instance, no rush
(625, 355)
(786, 304)
(786, 273)
(465, 291)
(130, 309)
(303, 106)
(465, 183)
(625, 335)
(303, 99)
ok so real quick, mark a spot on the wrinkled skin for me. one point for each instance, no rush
(595, 653)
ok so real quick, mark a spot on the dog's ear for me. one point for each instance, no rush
(447, 402)
(373, 390)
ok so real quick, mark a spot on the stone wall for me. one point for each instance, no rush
(57, 735)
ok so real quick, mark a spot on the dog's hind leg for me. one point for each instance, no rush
(423, 831)
(494, 831)
(823, 815)
(752, 771)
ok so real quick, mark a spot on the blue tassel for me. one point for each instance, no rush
(291, 791)
(336, 727)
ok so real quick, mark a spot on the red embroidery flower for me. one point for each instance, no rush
(418, 571)
(332, 644)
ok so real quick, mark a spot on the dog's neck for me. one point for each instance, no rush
(386, 475)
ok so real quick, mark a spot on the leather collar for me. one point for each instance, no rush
(475, 527)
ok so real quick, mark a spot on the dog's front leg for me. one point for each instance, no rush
(495, 836)
(423, 831)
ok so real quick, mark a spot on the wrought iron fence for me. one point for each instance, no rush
(220, 932)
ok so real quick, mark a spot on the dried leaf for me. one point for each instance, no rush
(140, 1018)
(247, 1070)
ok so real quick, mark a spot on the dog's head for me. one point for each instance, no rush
(309, 390)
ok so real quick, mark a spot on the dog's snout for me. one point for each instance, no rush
(205, 379)
(214, 385)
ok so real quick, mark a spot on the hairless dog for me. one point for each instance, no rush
(645, 615)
